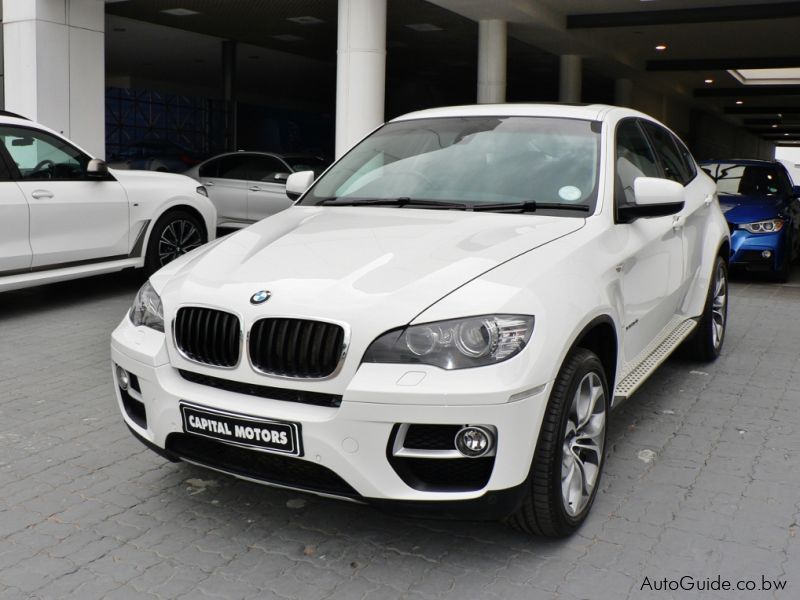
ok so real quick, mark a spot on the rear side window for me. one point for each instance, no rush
(634, 158)
(672, 161)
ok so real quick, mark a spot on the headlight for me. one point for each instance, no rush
(456, 343)
(147, 309)
(771, 226)
(200, 189)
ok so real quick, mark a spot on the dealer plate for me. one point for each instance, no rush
(242, 430)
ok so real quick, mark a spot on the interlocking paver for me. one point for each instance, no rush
(702, 477)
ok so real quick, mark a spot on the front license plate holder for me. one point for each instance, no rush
(247, 431)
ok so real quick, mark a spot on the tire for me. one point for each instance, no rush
(174, 234)
(548, 509)
(705, 344)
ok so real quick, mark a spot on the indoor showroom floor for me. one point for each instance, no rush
(701, 483)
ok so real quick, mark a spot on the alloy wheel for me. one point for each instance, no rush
(582, 448)
(177, 238)
(719, 306)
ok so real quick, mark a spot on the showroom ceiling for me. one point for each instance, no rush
(704, 39)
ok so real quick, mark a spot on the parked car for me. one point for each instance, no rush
(763, 212)
(155, 155)
(249, 186)
(64, 214)
(444, 320)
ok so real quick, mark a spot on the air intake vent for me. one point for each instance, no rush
(296, 347)
(208, 336)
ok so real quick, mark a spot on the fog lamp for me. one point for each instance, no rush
(123, 378)
(766, 254)
(473, 442)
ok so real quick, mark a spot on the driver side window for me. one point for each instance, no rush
(41, 156)
(634, 158)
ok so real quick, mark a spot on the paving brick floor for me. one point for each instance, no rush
(702, 480)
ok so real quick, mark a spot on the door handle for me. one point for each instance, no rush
(39, 194)
(254, 188)
(678, 222)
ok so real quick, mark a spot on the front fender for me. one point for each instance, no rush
(716, 242)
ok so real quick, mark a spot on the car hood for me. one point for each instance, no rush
(739, 208)
(139, 177)
(353, 263)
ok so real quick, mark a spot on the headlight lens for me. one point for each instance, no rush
(456, 343)
(771, 226)
(147, 309)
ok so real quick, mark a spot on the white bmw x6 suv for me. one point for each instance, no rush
(444, 320)
(64, 214)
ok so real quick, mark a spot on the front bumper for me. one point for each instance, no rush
(747, 250)
(347, 450)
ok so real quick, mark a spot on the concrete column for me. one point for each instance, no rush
(229, 94)
(54, 63)
(360, 70)
(623, 92)
(492, 51)
(569, 81)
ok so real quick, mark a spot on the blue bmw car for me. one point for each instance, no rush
(763, 212)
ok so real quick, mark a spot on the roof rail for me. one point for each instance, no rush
(6, 113)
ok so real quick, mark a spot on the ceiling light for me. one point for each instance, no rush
(661, 47)
(774, 126)
(307, 20)
(708, 81)
(785, 134)
(740, 102)
(781, 76)
(288, 37)
(180, 12)
(424, 27)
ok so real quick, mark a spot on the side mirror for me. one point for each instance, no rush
(298, 183)
(97, 168)
(653, 197)
(279, 177)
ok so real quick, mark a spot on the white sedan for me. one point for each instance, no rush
(444, 320)
(249, 186)
(64, 214)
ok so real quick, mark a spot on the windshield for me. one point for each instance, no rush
(470, 161)
(748, 180)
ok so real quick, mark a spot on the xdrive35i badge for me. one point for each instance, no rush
(260, 297)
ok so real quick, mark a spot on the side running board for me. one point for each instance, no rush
(654, 355)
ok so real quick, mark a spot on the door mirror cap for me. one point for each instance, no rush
(97, 168)
(649, 191)
(298, 183)
(653, 197)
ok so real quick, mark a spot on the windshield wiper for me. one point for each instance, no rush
(401, 202)
(530, 206)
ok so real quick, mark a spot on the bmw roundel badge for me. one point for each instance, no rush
(260, 297)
